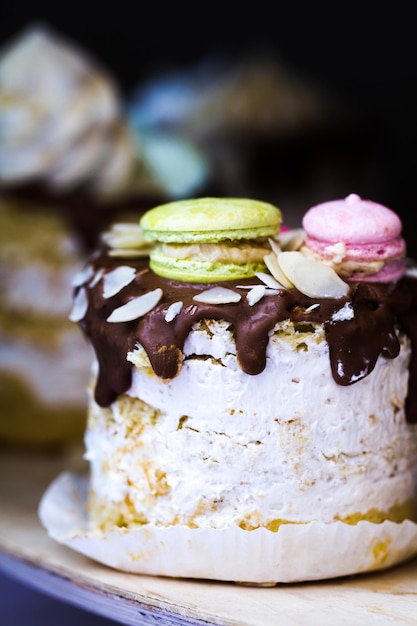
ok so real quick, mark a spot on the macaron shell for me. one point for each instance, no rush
(211, 220)
(352, 221)
(390, 272)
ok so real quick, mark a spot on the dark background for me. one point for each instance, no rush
(363, 54)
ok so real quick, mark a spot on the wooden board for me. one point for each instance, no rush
(27, 553)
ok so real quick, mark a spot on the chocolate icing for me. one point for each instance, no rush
(354, 344)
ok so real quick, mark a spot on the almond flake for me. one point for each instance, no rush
(136, 308)
(269, 280)
(255, 294)
(411, 271)
(114, 281)
(287, 261)
(312, 307)
(218, 295)
(271, 261)
(125, 235)
(317, 280)
(275, 246)
(83, 276)
(96, 279)
(79, 306)
(173, 311)
(292, 239)
(129, 253)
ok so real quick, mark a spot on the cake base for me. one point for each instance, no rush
(296, 553)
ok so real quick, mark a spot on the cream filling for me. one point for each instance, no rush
(347, 268)
(240, 253)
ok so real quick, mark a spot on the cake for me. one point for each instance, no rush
(43, 361)
(69, 165)
(254, 382)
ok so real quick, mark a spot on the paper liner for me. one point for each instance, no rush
(297, 552)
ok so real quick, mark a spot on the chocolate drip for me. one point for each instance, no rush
(354, 343)
(367, 335)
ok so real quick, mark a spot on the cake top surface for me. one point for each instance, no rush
(121, 301)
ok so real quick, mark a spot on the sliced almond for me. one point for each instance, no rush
(411, 271)
(268, 290)
(130, 253)
(317, 280)
(79, 306)
(312, 307)
(83, 276)
(275, 246)
(97, 277)
(136, 308)
(125, 235)
(271, 261)
(269, 280)
(173, 311)
(292, 239)
(255, 294)
(218, 295)
(288, 261)
(114, 281)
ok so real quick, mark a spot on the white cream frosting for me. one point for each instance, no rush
(216, 447)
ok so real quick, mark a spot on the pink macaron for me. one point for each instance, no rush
(360, 237)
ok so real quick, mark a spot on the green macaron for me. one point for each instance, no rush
(210, 239)
(211, 220)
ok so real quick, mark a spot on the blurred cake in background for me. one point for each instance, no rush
(69, 165)
(42, 361)
(64, 135)
(265, 130)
